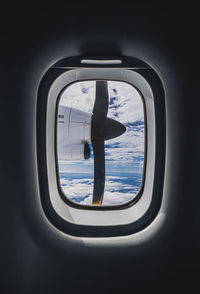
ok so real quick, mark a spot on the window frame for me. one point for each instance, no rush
(90, 228)
(102, 207)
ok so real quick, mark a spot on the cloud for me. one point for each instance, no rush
(117, 191)
(125, 100)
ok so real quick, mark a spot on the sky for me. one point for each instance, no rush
(124, 155)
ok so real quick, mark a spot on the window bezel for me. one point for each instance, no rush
(102, 229)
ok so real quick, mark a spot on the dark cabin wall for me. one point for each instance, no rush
(33, 258)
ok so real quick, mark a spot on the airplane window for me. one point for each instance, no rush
(100, 143)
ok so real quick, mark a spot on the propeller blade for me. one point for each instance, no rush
(99, 170)
(100, 109)
(102, 128)
(113, 129)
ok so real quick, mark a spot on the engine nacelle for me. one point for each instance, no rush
(73, 134)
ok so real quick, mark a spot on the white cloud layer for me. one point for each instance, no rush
(127, 100)
(80, 190)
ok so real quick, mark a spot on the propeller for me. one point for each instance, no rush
(102, 128)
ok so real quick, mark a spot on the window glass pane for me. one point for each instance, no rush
(97, 120)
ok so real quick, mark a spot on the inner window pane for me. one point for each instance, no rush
(103, 138)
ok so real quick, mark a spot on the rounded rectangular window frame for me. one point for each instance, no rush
(104, 207)
(91, 222)
(118, 216)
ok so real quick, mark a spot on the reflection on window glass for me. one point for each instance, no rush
(100, 142)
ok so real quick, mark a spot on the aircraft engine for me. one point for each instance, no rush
(74, 134)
